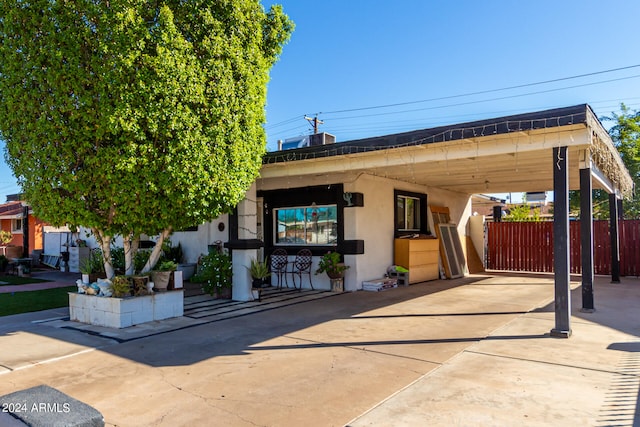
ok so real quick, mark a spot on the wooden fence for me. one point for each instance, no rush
(528, 246)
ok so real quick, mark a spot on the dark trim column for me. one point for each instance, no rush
(615, 238)
(25, 232)
(586, 239)
(561, 243)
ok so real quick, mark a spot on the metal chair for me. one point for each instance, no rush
(278, 264)
(302, 265)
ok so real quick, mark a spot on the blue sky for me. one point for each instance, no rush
(356, 54)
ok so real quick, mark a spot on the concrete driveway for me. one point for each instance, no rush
(472, 351)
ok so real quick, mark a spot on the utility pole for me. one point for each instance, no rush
(315, 122)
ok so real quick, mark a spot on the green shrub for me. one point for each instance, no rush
(214, 272)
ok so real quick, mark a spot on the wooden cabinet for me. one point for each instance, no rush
(420, 256)
(77, 256)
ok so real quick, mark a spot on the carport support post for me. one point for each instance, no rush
(561, 243)
(615, 240)
(586, 239)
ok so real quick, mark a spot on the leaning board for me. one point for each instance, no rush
(451, 251)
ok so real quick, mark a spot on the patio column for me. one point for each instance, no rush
(561, 243)
(615, 240)
(586, 238)
(243, 244)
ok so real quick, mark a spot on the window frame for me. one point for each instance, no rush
(14, 228)
(303, 196)
(422, 214)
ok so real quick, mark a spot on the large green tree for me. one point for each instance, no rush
(135, 116)
(625, 134)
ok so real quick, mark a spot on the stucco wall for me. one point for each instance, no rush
(374, 222)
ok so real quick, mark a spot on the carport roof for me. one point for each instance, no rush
(510, 153)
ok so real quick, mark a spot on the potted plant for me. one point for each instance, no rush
(92, 267)
(120, 286)
(330, 263)
(162, 274)
(259, 270)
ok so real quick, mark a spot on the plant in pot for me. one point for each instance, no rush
(259, 270)
(92, 267)
(162, 274)
(120, 286)
(330, 263)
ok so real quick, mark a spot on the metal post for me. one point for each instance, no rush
(615, 239)
(586, 239)
(561, 243)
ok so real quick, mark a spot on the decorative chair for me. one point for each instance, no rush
(278, 263)
(302, 265)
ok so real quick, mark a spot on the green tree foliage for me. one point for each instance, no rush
(625, 134)
(522, 213)
(133, 116)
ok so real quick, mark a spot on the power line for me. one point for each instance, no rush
(483, 100)
(484, 91)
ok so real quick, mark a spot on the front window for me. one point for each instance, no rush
(306, 225)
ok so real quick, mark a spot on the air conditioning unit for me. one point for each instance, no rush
(322, 138)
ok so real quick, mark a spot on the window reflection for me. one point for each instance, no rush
(308, 225)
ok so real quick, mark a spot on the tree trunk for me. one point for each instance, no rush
(105, 245)
(157, 251)
(130, 249)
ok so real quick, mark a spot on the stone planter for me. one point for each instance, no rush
(125, 312)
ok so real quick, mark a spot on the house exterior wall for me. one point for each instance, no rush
(374, 223)
(36, 238)
(196, 243)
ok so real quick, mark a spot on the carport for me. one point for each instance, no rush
(553, 150)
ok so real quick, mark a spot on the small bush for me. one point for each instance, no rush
(214, 272)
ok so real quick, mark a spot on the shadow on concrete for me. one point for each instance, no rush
(246, 334)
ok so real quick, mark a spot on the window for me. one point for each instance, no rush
(306, 225)
(410, 214)
(16, 225)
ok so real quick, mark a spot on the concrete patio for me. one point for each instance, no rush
(472, 351)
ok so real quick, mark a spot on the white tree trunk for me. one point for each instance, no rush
(105, 245)
(157, 250)
(130, 244)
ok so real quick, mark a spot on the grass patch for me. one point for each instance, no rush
(16, 280)
(26, 302)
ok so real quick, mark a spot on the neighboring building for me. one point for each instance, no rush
(27, 230)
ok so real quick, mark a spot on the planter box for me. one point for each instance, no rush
(125, 312)
(188, 270)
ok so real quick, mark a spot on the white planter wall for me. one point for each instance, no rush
(125, 312)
